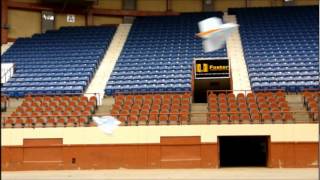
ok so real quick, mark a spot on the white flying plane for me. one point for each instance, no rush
(214, 33)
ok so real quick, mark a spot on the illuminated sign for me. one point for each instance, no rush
(211, 68)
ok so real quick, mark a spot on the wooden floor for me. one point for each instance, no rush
(152, 174)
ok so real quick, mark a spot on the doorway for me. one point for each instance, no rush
(243, 151)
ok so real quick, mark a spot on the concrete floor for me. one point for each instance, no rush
(155, 174)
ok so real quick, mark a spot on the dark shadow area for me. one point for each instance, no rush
(240, 151)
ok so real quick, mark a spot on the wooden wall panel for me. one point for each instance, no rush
(209, 156)
(43, 142)
(138, 156)
(101, 20)
(190, 6)
(42, 154)
(4, 21)
(23, 23)
(28, 1)
(109, 4)
(61, 21)
(151, 5)
(259, 3)
(293, 155)
(223, 5)
(306, 2)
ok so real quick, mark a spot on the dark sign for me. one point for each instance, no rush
(211, 68)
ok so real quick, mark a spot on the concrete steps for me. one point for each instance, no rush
(105, 108)
(237, 61)
(295, 102)
(13, 104)
(104, 71)
(202, 109)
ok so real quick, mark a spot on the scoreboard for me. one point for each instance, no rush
(211, 68)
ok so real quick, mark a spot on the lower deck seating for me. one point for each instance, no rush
(52, 111)
(152, 109)
(312, 100)
(253, 108)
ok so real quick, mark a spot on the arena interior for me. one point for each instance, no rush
(253, 103)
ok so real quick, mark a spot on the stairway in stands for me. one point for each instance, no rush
(235, 53)
(12, 106)
(199, 113)
(295, 102)
(102, 75)
(5, 47)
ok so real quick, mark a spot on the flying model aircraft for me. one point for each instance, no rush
(107, 123)
(214, 33)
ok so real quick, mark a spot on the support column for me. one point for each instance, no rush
(89, 18)
(129, 5)
(4, 21)
(169, 5)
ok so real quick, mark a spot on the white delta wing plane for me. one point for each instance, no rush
(107, 123)
(214, 33)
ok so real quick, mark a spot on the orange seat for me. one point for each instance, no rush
(173, 119)
(245, 117)
(255, 117)
(133, 119)
(276, 116)
(224, 118)
(213, 118)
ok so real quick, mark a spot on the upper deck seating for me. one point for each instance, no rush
(158, 54)
(62, 61)
(281, 46)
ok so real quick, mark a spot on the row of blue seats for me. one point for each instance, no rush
(49, 83)
(55, 70)
(23, 91)
(150, 76)
(110, 90)
(54, 74)
(49, 79)
(286, 73)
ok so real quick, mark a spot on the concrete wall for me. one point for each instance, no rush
(152, 134)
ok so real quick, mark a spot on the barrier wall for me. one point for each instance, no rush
(190, 146)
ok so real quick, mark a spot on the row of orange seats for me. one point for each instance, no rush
(52, 113)
(154, 119)
(256, 117)
(253, 107)
(155, 108)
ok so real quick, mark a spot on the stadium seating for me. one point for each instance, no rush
(158, 54)
(152, 109)
(52, 111)
(262, 107)
(4, 103)
(62, 61)
(311, 100)
(281, 47)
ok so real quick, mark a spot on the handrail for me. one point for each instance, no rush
(8, 71)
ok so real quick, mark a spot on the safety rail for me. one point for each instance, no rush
(7, 74)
